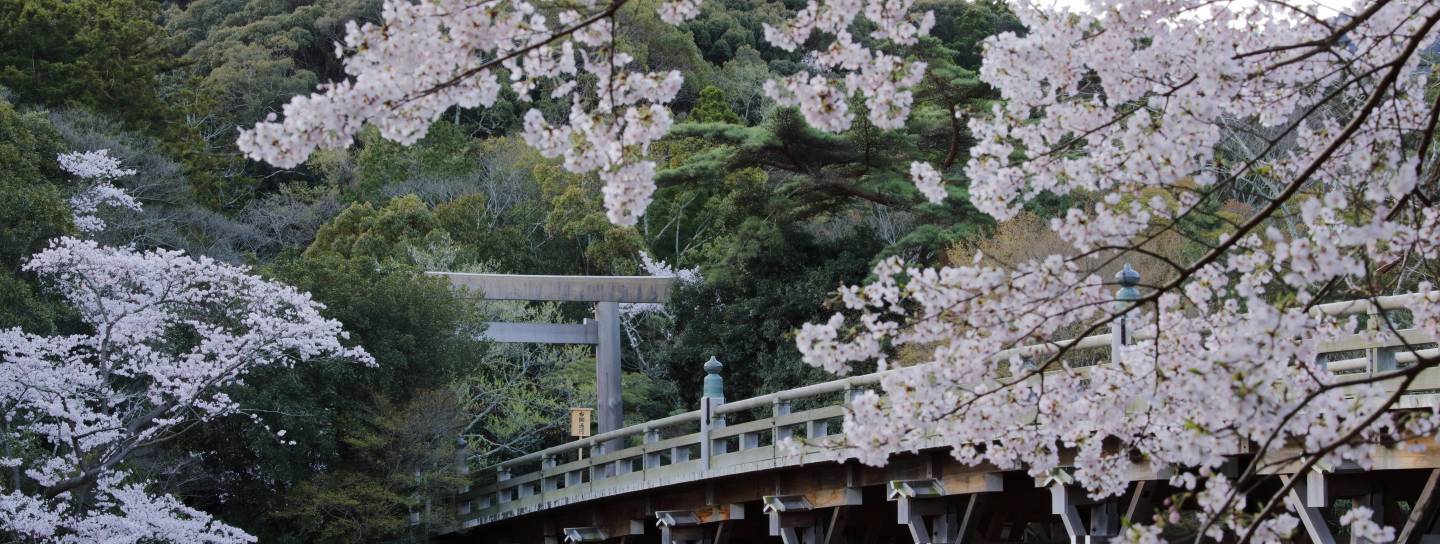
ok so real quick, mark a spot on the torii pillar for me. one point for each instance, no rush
(606, 292)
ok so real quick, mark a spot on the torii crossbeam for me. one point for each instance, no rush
(606, 292)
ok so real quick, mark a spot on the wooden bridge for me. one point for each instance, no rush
(718, 475)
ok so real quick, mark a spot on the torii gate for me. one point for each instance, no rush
(606, 292)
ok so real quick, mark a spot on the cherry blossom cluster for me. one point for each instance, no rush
(96, 164)
(122, 512)
(427, 57)
(97, 170)
(168, 333)
(661, 269)
(658, 269)
(1124, 107)
(927, 179)
(847, 67)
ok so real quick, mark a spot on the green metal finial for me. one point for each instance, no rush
(1129, 278)
(714, 384)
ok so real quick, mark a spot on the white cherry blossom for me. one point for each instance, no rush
(97, 171)
(927, 179)
(167, 334)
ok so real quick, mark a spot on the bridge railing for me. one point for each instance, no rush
(700, 444)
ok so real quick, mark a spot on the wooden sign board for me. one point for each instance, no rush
(580, 422)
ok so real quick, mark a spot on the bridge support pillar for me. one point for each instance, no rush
(920, 505)
(793, 519)
(1318, 490)
(1310, 516)
(550, 535)
(695, 526)
(603, 531)
(1104, 525)
(584, 534)
(679, 527)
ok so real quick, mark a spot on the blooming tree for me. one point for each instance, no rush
(166, 335)
(97, 170)
(1150, 113)
(632, 313)
(658, 269)
(1134, 108)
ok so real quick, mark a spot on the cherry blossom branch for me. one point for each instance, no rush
(497, 62)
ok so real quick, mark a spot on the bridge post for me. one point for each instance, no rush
(502, 495)
(749, 441)
(713, 395)
(462, 462)
(779, 434)
(1120, 333)
(651, 459)
(815, 429)
(546, 484)
(1379, 359)
(705, 443)
(602, 470)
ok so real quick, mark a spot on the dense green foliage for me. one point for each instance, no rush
(32, 211)
(772, 213)
(99, 54)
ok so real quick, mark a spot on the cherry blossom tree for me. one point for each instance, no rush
(165, 335)
(1149, 114)
(97, 171)
(1128, 108)
(658, 269)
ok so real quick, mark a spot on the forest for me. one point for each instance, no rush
(769, 214)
